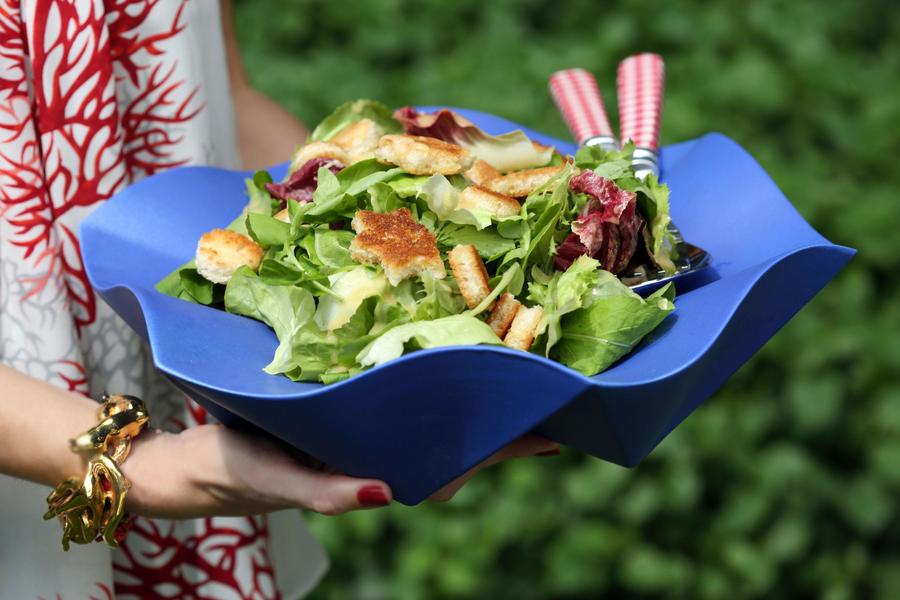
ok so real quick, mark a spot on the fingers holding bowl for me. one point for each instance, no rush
(528, 445)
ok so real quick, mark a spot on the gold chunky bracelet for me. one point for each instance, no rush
(93, 509)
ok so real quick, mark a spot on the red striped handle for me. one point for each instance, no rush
(640, 85)
(577, 96)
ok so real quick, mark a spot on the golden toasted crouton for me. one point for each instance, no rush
(503, 313)
(220, 252)
(421, 155)
(499, 205)
(395, 241)
(521, 183)
(358, 139)
(470, 274)
(481, 172)
(282, 215)
(521, 331)
(318, 150)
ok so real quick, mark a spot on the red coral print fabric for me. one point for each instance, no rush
(92, 99)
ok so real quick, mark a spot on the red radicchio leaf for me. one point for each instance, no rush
(302, 182)
(444, 124)
(630, 228)
(608, 226)
(568, 251)
(612, 241)
(590, 232)
(606, 197)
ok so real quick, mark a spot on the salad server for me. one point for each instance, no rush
(640, 82)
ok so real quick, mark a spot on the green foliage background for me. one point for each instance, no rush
(784, 484)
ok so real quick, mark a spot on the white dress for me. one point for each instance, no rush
(94, 95)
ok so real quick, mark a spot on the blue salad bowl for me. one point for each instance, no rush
(422, 420)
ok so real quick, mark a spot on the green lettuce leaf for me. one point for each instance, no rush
(439, 298)
(202, 290)
(335, 196)
(508, 152)
(298, 264)
(311, 353)
(543, 208)
(383, 198)
(592, 157)
(489, 244)
(285, 308)
(565, 292)
(653, 202)
(171, 285)
(258, 201)
(408, 186)
(350, 289)
(331, 248)
(615, 321)
(359, 177)
(455, 330)
(331, 356)
(353, 111)
(442, 198)
(511, 281)
(304, 351)
(267, 231)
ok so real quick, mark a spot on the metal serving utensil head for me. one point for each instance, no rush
(640, 83)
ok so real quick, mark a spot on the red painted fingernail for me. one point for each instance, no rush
(553, 452)
(372, 495)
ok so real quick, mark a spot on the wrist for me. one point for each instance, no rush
(175, 475)
(66, 463)
(156, 462)
(93, 508)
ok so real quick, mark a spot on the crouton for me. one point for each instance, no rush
(421, 155)
(521, 331)
(470, 274)
(503, 313)
(358, 139)
(403, 247)
(318, 150)
(220, 252)
(498, 205)
(282, 215)
(481, 172)
(521, 183)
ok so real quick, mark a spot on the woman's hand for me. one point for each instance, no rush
(213, 470)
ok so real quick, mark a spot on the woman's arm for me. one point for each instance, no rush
(267, 133)
(204, 471)
(36, 421)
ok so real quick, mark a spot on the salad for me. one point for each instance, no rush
(397, 231)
